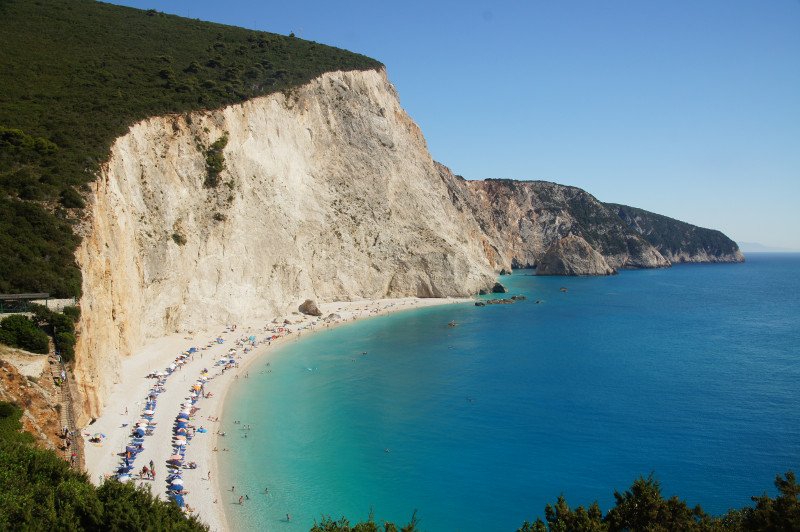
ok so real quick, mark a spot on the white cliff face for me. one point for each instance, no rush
(329, 193)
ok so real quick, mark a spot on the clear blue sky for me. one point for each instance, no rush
(689, 109)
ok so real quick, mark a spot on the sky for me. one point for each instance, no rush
(688, 109)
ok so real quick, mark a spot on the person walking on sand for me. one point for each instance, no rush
(209, 476)
(241, 499)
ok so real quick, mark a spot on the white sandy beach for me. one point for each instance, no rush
(123, 408)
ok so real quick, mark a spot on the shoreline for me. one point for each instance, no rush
(124, 405)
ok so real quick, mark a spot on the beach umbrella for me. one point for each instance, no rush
(180, 438)
(177, 482)
(193, 350)
(139, 432)
(183, 414)
(149, 412)
(180, 430)
(175, 457)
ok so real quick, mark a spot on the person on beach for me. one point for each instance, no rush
(241, 500)
(209, 476)
(288, 517)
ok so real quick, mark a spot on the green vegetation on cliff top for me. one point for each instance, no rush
(75, 74)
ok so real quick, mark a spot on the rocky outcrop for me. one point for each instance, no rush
(328, 192)
(499, 289)
(572, 255)
(310, 308)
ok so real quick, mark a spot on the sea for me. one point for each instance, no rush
(690, 373)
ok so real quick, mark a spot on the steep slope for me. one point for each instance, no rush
(679, 241)
(523, 219)
(326, 192)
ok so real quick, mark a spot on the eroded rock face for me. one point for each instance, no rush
(521, 220)
(572, 255)
(329, 193)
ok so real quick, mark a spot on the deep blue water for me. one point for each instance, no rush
(692, 373)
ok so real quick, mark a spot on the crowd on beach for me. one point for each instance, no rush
(187, 424)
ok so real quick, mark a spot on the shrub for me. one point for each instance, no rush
(215, 161)
(73, 312)
(20, 331)
(65, 343)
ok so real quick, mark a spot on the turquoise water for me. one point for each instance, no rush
(692, 373)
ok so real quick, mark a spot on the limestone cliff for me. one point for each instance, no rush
(523, 219)
(679, 241)
(572, 255)
(328, 192)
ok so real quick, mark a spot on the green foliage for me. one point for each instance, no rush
(780, 513)
(20, 331)
(36, 250)
(215, 161)
(39, 491)
(44, 322)
(75, 74)
(65, 344)
(643, 508)
(73, 312)
(327, 524)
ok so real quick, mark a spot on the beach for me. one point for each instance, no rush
(193, 355)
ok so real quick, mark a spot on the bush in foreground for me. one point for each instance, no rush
(20, 331)
(39, 491)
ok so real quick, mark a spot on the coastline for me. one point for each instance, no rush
(123, 407)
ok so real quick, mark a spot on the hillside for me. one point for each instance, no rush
(679, 241)
(524, 219)
(76, 74)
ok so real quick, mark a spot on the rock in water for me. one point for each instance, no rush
(572, 255)
(499, 289)
(310, 308)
